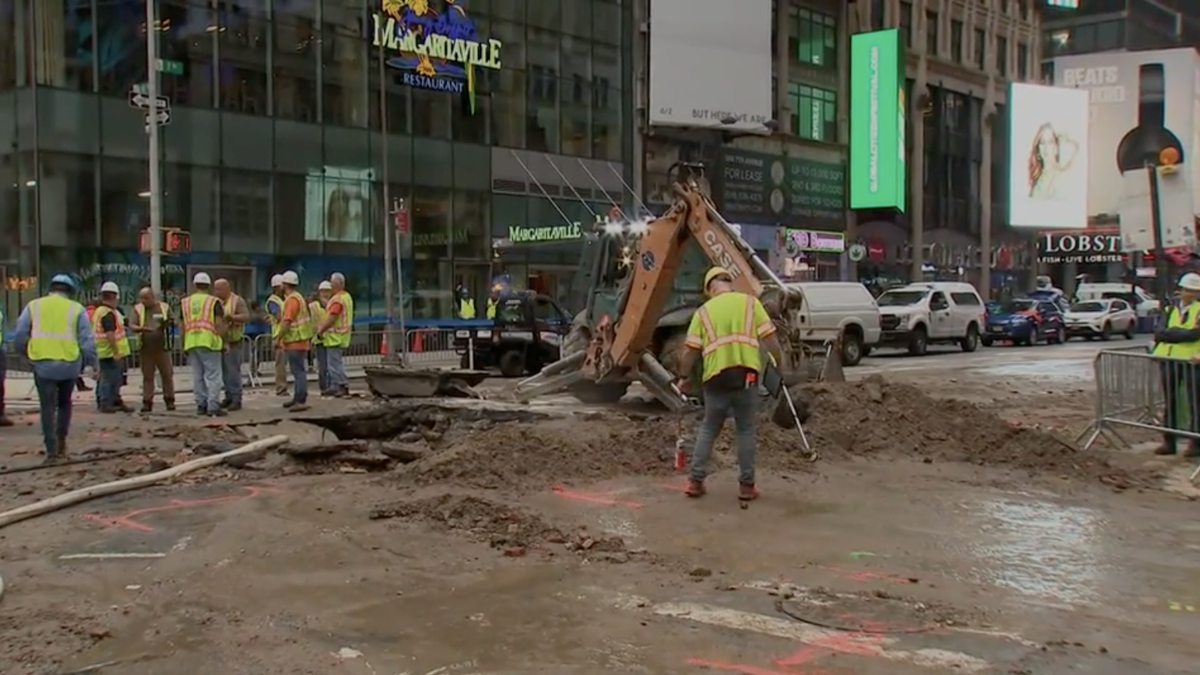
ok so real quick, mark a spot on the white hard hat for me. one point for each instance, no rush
(1190, 282)
(110, 287)
(201, 278)
(290, 278)
(276, 280)
(324, 286)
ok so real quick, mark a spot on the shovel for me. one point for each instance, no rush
(785, 417)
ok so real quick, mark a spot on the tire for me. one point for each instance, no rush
(1060, 336)
(971, 342)
(852, 348)
(587, 391)
(1130, 331)
(1106, 332)
(1035, 337)
(512, 363)
(918, 342)
(866, 351)
(986, 342)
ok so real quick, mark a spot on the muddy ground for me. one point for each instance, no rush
(950, 525)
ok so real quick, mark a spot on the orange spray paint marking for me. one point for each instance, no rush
(601, 498)
(128, 519)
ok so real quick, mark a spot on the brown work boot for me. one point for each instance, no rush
(747, 492)
(170, 403)
(147, 406)
(695, 488)
(5, 421)
(60, 449)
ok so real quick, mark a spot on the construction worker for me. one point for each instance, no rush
(493, 302)
(727, 333)
(203, 342)
(335, 330)
(274, 309)
(112, 348)
(236, 313)
(4, 420)
(316, 308)
(151, 322)
(466, 304)
(1178, 348)
(54, 333)
(296, 332)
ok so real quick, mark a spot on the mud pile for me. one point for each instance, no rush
(503, 527)
(875, 416)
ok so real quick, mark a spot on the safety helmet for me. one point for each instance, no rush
(716, 273)
(109, 287)
(276, 281)
(64, 280)
(1190, 282)
(290, 278)
(324, 286)
(202, 278)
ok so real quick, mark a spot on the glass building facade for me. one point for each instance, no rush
(288, 127)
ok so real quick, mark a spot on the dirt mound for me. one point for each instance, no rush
(502, 526)
(875, 416)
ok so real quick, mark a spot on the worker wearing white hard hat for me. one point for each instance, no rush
(1178, 347)
(334, 332)
(318, 308)
(112, 348)
(236, 313)
(204, 329)
(274, 307)
(296, 332)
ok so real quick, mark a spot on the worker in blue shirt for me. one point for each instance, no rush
(54, 333)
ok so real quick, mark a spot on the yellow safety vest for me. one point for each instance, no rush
(301, 329)
(52, 329)
(725, 330)
(317, 311)
(271, 317)
(491, 309)
(1, 328)
(466, 308)
(236, 333)
(1180, 319)
(104, 349)
(339, 334)
(139, 320)
(200, 323)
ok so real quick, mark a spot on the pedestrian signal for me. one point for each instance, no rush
(178, 241)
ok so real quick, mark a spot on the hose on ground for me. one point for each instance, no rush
(783, 609)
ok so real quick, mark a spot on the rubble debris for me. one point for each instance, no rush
(401, 382)
(393, 418)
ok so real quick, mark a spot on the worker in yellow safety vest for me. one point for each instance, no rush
(466, 304)
(296, 332)
(493, 302)
(4, 420)
(274, 308)
(317, 310)
(237, 314)
(335, 329)
(151, 325)
(1177, 348)
(54, 334)
(204, 343)
(112, 348)
(727, 334)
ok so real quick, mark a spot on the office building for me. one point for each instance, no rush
(1118, 25)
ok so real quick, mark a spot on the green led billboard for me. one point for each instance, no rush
(878, 112)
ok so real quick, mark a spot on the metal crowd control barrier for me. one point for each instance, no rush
(1137, 390)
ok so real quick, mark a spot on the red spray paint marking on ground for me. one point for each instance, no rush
(127, 519)
(600, 498)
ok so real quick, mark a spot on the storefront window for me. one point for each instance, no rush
(293, 214)
(431, 241)
(471, 211)
(190, 199)
(66, 190)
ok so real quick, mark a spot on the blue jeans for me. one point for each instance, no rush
(3, 374)
(206, 378)
(322, 368)
(231, 372)
(108, 389)
(54, 403)
(719, 404)
(337, 369)
(298, 364)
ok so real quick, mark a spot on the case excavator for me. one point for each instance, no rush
(641, 293)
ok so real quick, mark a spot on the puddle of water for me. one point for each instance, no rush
(1059, 370)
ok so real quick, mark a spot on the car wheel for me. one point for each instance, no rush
(852, 349)
(918, 342)
(866, 351)
(1106, 332)
(1060, 335)
(1130, 331)
(1033, 339)
(971, 342)
(512, 363)
(986, 342)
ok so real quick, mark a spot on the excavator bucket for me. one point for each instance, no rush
(831, 369)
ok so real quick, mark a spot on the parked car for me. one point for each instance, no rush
(1025, 321)
(838, 309)
(1102, 319)
(918, 315)
(1141, 301)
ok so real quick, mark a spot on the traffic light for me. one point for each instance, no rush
(178, 241)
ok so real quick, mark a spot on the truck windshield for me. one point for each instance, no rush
(901, 298)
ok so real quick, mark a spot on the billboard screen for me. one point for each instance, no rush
(1048, 156)
(878, 112)
(729, 45)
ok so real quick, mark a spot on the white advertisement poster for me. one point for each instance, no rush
(337, 205)
(711, 62)
(1048, 145)
(1138, 103)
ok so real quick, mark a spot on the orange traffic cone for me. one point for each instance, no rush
(418, 342)
(383, 346)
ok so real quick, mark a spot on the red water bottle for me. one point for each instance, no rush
(680, 455)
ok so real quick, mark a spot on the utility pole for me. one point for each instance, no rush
(389, 235)
(1162, 270)
(156, 238)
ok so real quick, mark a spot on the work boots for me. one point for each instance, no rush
(5, 421)
(147, 407)
(170, 403)
(747, 492)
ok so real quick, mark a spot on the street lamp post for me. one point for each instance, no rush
(155, 229)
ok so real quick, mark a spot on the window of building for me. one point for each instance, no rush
(906, 19)
(241, 74)
(1022, 61)
(607, 104)
(541, 109)
(956, 40)
(815, 38)
(508, 108)
(1002, 56)
(981, 49)
(877, 14)
(574, 99)
(815, 112)
(932, 34)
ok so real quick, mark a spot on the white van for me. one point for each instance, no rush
(918, 315)
(1104, 290)
(837, 309)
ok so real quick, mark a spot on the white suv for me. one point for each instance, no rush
(918, 315)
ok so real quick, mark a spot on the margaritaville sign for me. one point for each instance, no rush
(519, 234)
(438, 50)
